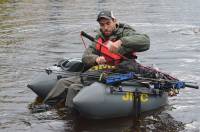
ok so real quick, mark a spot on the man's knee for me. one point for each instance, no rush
(64, 82)
(60, 81)
(76, 86)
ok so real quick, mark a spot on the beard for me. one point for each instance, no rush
(107, 33)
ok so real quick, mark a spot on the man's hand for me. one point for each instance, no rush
(114, 46)
(100, 60)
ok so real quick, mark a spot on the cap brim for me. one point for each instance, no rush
(105, 17)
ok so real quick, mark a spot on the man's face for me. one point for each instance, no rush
(107, 26)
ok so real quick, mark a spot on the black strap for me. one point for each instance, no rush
(137, 103)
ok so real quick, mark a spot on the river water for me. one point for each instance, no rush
(35, 34)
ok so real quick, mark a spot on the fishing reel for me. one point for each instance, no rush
(48, 71)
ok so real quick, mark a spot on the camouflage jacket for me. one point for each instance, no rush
(131, 41)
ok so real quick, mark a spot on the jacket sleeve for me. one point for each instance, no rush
(133, 41)
(89, 56)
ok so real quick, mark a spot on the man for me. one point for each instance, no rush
(117, 38)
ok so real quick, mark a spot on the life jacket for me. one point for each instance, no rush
(110, 57)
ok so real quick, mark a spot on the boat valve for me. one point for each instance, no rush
(48, 71)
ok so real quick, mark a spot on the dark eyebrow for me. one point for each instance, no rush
(108, 22)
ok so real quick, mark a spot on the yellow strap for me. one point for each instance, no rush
(101, 67)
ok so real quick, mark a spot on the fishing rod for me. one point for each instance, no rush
(178, 82)
(84, 34)
(35, 69)
(158, 83)
(112, 78)
(137, 90)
